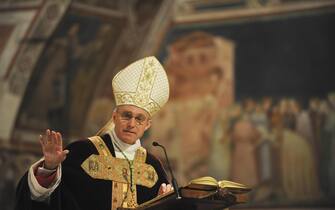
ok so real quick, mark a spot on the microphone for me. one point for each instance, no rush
(174, 181)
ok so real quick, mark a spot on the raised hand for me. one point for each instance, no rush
(52, 147)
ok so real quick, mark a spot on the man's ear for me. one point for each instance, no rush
(148, 126)
(114, 116)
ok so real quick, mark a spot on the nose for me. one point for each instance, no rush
(132, 122)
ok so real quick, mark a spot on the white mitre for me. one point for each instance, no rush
(143, 84)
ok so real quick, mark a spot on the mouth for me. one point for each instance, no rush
(128, 131)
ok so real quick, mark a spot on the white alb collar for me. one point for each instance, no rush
(127, 148)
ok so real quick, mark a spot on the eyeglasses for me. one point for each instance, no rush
(127, 116)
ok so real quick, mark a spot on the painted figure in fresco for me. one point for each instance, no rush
(75, 178)
(221, 143)
(326, 145)
(244, 169)
(330, 129)
(89, 58)
(288, 117)
(99, 113)
(265, 151)
(72, 60)
(304, 124)
(316, 121)
(297, 183)
(200, 70)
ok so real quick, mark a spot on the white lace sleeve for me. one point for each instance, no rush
(38, 192)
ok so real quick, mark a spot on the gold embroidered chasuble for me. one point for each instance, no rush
(125, 174)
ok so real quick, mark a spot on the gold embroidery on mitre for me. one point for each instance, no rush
(141, 97)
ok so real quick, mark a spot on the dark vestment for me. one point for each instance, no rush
(77, 190)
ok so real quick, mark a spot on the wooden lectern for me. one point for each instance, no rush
(196, 197)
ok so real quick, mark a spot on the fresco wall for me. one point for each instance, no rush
(253, 101)
(72, 61)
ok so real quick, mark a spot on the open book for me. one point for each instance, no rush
(209, 188)
(209, 183)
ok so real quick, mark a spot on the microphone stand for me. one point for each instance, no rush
(174, 181)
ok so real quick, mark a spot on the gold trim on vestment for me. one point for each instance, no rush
(100, 145)
(117, 169)
(105, 166)
(117, 188)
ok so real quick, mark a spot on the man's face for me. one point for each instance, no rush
(130, 123)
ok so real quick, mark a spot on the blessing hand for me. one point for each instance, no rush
(52, 148)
